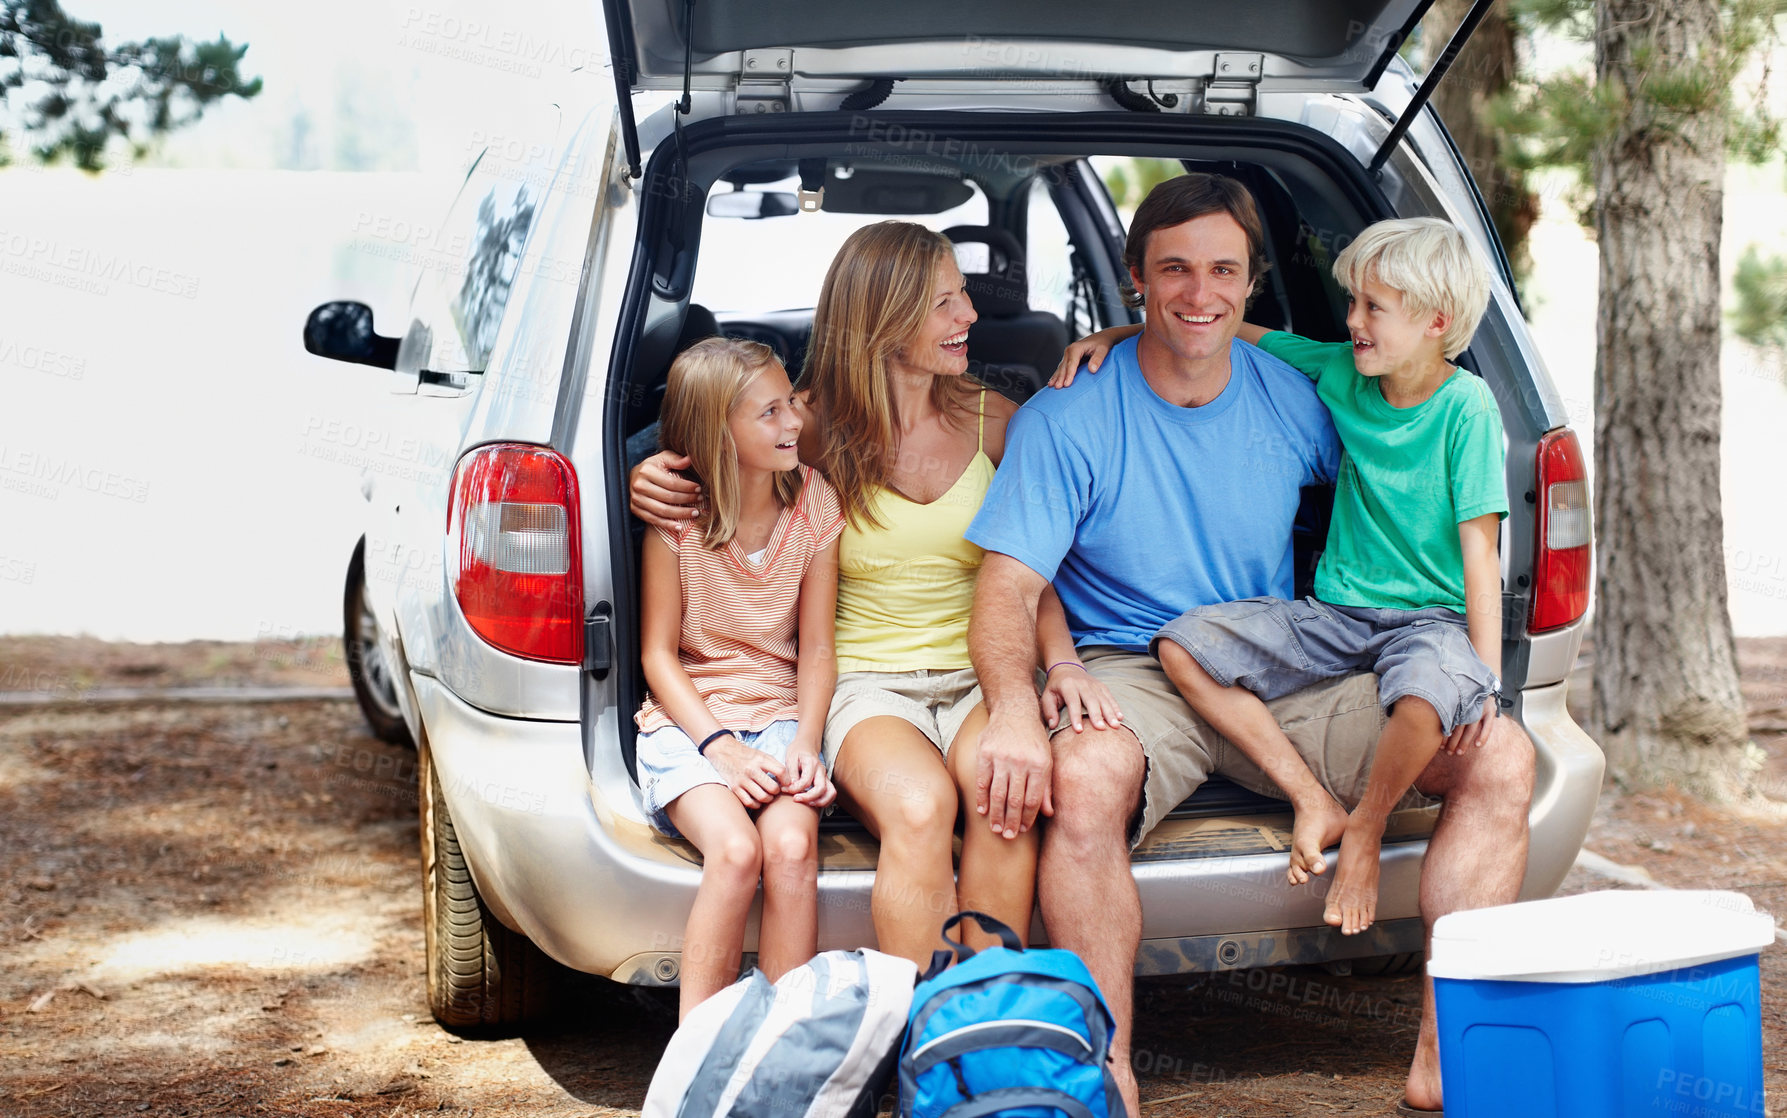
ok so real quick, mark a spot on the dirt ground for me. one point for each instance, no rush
(214, 909)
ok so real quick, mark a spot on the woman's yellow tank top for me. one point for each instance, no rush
(905, 589)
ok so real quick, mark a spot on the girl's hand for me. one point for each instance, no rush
(753, 775)
(1091, 349)
(660, 496)
(1072, 691)
(807, 781)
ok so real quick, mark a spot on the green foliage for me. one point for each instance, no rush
(1575, 18)
(1131, 180)
(1760, 316)
(1556, 123)
(1562, 121)
(70, 96)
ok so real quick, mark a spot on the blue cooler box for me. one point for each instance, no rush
(1622, 1004)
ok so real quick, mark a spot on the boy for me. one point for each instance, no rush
(1409, 586)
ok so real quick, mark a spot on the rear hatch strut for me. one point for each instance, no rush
(622, 55)
(1466, 28)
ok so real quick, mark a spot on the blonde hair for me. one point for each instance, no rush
(876, 296)
(706, 382)
(1431, 264)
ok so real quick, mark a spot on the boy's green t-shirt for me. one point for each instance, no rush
(1408, 478)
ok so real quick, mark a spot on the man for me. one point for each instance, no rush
(1170, 481)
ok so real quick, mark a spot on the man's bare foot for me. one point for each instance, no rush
(1352, 900)
(1423, 1087)
(1126, 1086)
(1316, 829)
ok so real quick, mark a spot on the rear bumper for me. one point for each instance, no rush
(599, 892)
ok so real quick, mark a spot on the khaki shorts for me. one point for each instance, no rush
(1334, 725)
(937, 703)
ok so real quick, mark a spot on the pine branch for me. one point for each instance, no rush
(70, 96)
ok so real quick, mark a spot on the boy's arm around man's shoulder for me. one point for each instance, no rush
(1306, 355)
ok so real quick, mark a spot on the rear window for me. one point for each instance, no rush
(755, 265)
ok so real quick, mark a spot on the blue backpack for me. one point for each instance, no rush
(1024, 1034)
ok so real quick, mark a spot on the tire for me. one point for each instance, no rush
(1388, 966)
(481, 975)
(367, 667)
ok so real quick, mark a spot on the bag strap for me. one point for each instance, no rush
(957, 951)
(1007, 1099)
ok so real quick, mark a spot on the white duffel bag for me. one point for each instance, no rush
(816, 1044)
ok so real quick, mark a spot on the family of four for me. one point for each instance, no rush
(886, 586)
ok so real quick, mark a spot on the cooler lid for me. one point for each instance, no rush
(1598, 937)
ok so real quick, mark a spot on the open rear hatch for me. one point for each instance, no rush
(1344, 42)
(808, 55)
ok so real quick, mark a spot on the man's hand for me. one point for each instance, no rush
(660, 496)
(753, 775)
(1011, 781)
(1468, 734)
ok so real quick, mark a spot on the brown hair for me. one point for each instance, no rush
(706, 382)
(1184, 198)
(874, 301)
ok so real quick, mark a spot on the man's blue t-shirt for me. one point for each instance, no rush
(1138, 509)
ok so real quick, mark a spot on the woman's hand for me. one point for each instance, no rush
(1091, 349)
(659, 495)
(1072, 691)
(753, 775)
(807, 780)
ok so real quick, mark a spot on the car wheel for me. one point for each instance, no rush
(367, 667)
(1387, 966)
(481, 975)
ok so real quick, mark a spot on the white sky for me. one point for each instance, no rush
(172, 465)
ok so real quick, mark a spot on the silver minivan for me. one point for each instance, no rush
(491, 609)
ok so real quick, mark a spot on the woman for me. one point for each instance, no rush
(910, 444)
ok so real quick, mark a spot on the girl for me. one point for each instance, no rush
(734, 602)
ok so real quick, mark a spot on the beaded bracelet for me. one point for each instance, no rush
(1071, 663)
(711, 738)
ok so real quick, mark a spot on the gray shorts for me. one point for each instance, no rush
(1334, 726)
(1273, 647)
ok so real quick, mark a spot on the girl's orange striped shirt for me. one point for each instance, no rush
(740, 619)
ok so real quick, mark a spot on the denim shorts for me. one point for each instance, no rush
(1273, 647)
(668, 765)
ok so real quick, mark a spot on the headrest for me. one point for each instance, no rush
(698, 323)
(998, 287)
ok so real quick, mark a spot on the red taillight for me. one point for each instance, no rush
(1562, 570)
(513, 526)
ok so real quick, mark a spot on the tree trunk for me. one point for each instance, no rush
(1666, 706)
(1484, 70)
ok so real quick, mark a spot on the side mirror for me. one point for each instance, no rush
(752, 204)
(342, 331)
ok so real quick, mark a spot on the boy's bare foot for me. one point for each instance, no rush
(1316, 829)
(1352, 901)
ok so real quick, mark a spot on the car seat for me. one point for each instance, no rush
(1012, 349)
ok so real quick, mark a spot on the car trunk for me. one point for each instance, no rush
(1222, 820)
